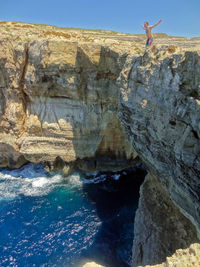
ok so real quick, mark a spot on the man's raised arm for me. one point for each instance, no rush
(156, 24)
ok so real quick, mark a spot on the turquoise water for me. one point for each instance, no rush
(52, 220)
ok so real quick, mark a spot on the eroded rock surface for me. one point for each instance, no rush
(182, 258)
(96, 99)
(160, 109)
(59, 102)
(160, 227)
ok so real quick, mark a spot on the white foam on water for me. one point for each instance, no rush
(40, 182)
(95, 180)
(30, 180)
(34, 180)
(75, 180)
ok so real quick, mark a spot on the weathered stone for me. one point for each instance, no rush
(163, 123)
(76, 98)
(62, 100)
(182, 258)
(160, 227)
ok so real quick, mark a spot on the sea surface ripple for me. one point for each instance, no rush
(52, 220)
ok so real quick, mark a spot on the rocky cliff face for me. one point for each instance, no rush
(182, 258)
(96, 100)
(160, 109)
(59, 102)
(160, 227)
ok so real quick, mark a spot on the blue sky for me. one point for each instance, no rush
(180, 17)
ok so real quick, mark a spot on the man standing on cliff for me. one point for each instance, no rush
(148, 30)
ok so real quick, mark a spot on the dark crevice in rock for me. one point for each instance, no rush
(25, 97)
(195, 134)
(24, 67)
(173, 123)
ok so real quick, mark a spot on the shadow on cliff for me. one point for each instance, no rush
(101, 99)
(77, 110)
(116, 202)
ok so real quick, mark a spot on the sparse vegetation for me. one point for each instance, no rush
(136, 42)
(7, 29)
(56, 33)
(138, 51)
(172, 49)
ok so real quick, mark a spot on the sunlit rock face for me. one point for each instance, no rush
(182, 258)
(73, 98)
(93, 100)
(61, 100)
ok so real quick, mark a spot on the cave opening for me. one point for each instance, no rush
(115, 195)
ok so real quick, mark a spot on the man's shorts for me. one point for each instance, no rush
(149, 41)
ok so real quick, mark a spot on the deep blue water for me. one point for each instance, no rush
(52, 220)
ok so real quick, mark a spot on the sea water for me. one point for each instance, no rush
(52, 220)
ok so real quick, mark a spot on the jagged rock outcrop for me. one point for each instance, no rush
(182, 258)
(160, 109)
(160, 227)
(59, 103)
(96, 100)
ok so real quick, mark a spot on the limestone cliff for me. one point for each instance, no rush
(160, 109)
(160, 228)
(96, 100)
(59, 102)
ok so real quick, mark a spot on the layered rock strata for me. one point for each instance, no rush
(160, 109)
(59, 103)
(97, 100)
(160, 228)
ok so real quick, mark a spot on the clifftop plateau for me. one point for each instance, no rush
(74, 98)
(133, 43)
